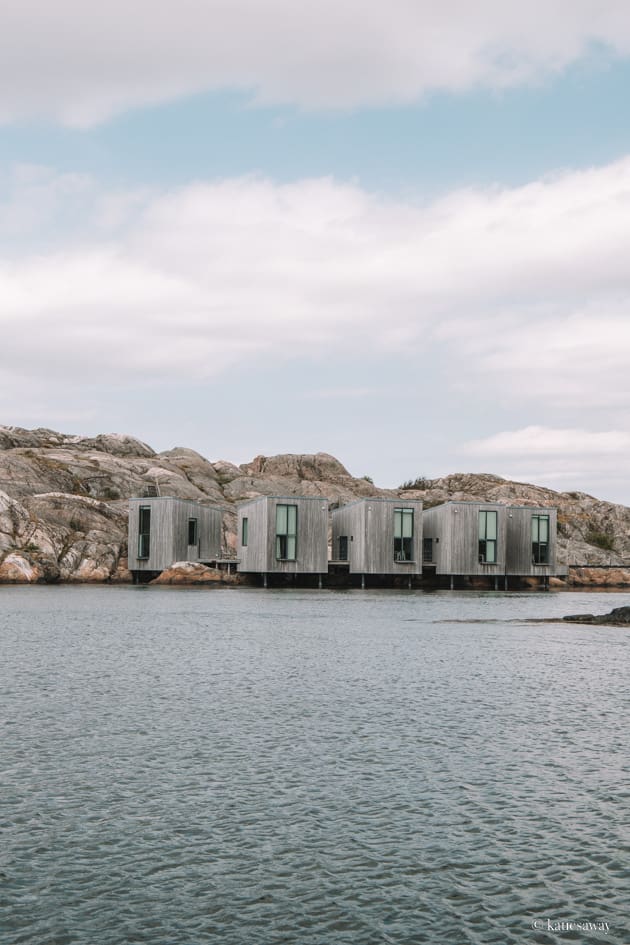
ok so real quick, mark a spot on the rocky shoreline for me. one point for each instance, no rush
(63, 505)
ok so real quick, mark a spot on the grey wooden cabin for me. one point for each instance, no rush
(531, 541)
(465, 538)
(283, 535)
(163, 530)
(378, 536)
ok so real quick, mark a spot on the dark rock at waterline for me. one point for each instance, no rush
(618, 615)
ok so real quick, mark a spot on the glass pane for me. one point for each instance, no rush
(535, 528)
(245, 524)
(491, 551)
(407, 523)
(544, 528)
(482, 524)
(292, 519)
(281, 519)
(291, 548)
(397, 523)
(491, 525)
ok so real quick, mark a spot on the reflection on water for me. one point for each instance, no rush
(236, 766)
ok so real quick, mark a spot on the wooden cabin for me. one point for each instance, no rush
(465, 539)
(163, 530)
(378, 536)
(531, 541)
(283, 535)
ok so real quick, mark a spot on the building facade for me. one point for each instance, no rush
(164, 529)
(465, 538)
(283, 535)
(378, 536)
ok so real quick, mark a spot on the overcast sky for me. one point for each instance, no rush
(396, 232)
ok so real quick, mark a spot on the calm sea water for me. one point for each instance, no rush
(242, 766)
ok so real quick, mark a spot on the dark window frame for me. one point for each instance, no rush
(193, 532)
(487, 544)
(540, 549)
(244, 531)
(286, 542)
(403, 544)
(144, 532)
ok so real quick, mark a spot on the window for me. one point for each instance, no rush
(540, 539)
(343, 547)
(244, 532)
(286, 532)
(403, 534)
(144, 531)
(427, 549)
(488, 537)
(193, 531)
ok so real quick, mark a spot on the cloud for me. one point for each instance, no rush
(563, 458)
(518, 293)
(545, 441)
(80, 64)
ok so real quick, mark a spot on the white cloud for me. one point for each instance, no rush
(524, 291)
(563, 458)
(81, 63)
(545, 441)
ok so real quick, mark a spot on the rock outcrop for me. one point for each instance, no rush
(63, 502)
(618, 617)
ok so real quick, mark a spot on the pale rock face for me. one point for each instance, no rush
(15, 569)
(63, 504)
(189, 572)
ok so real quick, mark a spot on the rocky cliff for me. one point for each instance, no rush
(63, 500)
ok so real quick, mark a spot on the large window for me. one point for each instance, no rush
(193, 531)
(427, 550)
(144, 531)
(286, 532)
(343, 547)
(244, 532)
(540, 539)
(488, 537)
(403, 534)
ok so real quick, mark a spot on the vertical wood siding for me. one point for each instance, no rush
(369, 525)
(519, 547)
(454, 530)
(169, 532)
(312, 536)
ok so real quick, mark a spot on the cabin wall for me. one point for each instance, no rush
(379, 537)
(312, 536)
(454, 528)
(519, 542)
(349, 520)
(253, 556)
(161, 537)
(168, 540)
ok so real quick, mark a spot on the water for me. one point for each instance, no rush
(242, 766)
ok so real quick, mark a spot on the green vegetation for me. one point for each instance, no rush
(602, 540)
(368, 479)
(419, 483)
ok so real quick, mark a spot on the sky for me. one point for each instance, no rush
(395, 232)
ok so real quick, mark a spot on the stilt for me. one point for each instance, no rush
(319, 582)
(409, 582)
(496, 582)
(265, 579)
(363, 582)
(506, 582)
(452, 581)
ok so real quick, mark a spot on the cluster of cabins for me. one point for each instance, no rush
(377, 540)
